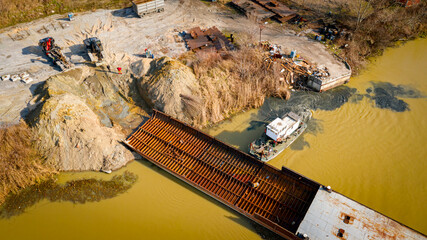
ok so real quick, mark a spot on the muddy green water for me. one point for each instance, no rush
(374, 155)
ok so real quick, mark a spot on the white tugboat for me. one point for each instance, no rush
(278, 135)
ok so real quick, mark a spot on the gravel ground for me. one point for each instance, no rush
(125, 36)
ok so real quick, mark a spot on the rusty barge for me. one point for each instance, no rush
(281, 200)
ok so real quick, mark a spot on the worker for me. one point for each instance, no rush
(109, 68)
(119, 69)
(48, 44)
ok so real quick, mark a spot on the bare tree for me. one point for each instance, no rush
(363, 11)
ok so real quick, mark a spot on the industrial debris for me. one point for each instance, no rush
(283, 13)
(252, 10)
(53, 51)
(144, 7)
(299, 73)
(209, 39)
(262, 9)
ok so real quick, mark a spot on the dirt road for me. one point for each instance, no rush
(125, 37)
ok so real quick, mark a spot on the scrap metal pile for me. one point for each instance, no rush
(264, 9)
(209, 39)
(295, 69)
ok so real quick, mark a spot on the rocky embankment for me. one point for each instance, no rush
(80, 119)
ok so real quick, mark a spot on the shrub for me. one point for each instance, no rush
(20, 164)
(235, 80)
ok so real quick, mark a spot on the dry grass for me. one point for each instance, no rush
(18, 11)
(20, 164)
(382, 29)
(233, 81)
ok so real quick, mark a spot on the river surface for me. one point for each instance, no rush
(367, 140)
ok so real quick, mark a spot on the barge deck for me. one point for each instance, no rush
(283, 201)
(279, 202)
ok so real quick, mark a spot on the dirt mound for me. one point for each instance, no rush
(171, 87)
(73, 138)
(96, 88)
(79, 119)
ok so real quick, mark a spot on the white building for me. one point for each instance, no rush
(281, 128)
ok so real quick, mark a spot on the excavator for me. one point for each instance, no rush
(94, 50)
(53, 51)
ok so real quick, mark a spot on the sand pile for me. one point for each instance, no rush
(171, 87)
(80, 119)
(74, 139)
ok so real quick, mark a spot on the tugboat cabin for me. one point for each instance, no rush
(281, 128)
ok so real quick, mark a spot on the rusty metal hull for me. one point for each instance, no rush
(276, 199)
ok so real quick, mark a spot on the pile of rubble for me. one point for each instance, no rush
(295, 69)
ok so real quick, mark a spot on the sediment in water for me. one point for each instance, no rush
(76, 191)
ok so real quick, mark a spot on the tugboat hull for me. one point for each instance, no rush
(266, 149)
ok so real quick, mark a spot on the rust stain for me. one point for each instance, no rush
(381, 230)
(337, 231)
(347, 218)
